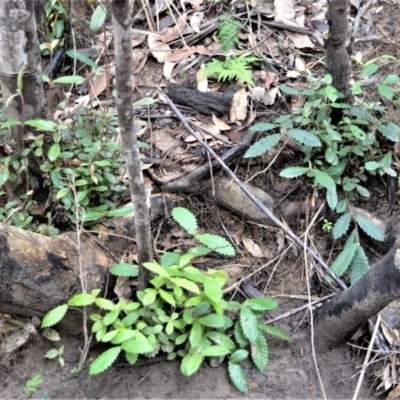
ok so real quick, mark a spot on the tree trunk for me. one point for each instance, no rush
(339, 318)
(338, 51)
(20, 52)
(120, 11)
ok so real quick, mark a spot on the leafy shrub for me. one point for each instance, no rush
(339, 157)
(182, 313)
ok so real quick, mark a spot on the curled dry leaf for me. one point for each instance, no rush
(239, 106)
(158, 49)
(220, 124)
(202, 83)
(195, 21)
(252, 247)
(175, 31)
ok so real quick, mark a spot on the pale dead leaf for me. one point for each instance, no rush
(179, 55)
(280, 240)
(80, 103)
(191, 138)
(300, 65)
(222, 126)
(238, 110)
(137, 38)
(252, 247)
(202, 83)
(140, 62)
(122, 289)
(175, 31)
(271, 95)
(293, 74)
(195, 21)
(168, 68)
(300, 41)
(196, 3)
(284, 10)
(167, 143)
(158, 49)
(100, 83)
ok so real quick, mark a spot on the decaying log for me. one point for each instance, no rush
(205, 103)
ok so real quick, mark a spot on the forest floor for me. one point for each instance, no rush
(293, 372)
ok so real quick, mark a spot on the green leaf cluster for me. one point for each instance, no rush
(228, 32)
(237, 68)
(339, 158)
(182, 313)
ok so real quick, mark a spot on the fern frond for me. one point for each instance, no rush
(228, 32)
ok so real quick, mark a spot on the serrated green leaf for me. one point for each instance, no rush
(191, 363)
(124, 269)
(201, 309)
(199, 251)
(170, 258)
(343, 260)
(385, 91)
(368, 70)
(186, 284)
(122, 336)
(212, 289)
(272, 330)
(341, 207)
(131, 357)
(341, 226)
(104, 360)
(359, 265)
(370, 228)
(218, 243)
(42, 125)
(304, 137)
(149, 297)
(261, 304)
(238, 356)
(262, 127)
(238, 377)
(239, 335)
(62, 193)
(262, 146)
(221, 339)
(110, 317)
(81, 300)
(120, 212)
(324, 179)
(156, 269)
(72, 79)
(215, 351)
(185, 219)
(138, 345)
(98, 18)
(249, 324)
(293, 172)
(168, 297)
(259, 353)
(146, 101)
(332, 198)
(390, 131)
(109, 335)
(93, 215)
(54, 152)
(105, 304)
(54, 316)
(363, 191)
(290, 90)
(196, 334)
(212, 320)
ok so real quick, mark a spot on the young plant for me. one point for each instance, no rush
(228, 32)
(339, 157)
(33, 384)
(182, 313)
(238, 68)
(54, 353)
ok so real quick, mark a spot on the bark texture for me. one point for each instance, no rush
(339, 318)
(121, 12)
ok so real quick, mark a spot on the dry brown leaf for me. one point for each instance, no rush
(280, 240)
(233, 136)
(179, 55)
(239, 106)
(158, 49)
(175, 31)
(252, 247)
(137, 38)
(100, 83)
(168, 68)
(195, 21)
(284, 10)
(394, 394)
(202, 83)
(300, 65)
(139, 61)
(300, 41)
(222, 126)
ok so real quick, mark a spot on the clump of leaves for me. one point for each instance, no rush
(182, 313)
(339, 157)
(238, 68)
(228, 32)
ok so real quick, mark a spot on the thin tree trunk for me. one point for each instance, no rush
(121, 18)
